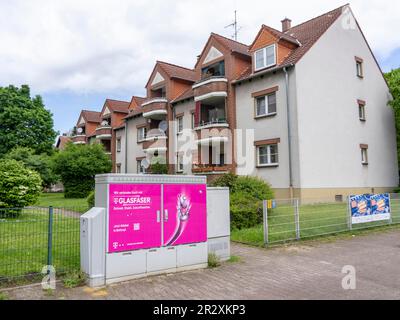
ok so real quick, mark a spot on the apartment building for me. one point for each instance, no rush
(304, 108)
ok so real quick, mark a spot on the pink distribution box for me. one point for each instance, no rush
(143, 216)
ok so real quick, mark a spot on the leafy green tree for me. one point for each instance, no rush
(24, 121)
(41, 163)
(19, 186)
(158, 165)
(393, 80)
(77, 166)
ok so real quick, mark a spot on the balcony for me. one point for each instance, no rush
(215, 123)
(155, 144)
(104, 132)
(79, 139)
(212, 136)
(210, 169)
(211, 89)
(155, 108)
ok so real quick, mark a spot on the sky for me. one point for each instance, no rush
(77, 53)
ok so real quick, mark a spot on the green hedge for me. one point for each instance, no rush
(90, 199)
(246, 196)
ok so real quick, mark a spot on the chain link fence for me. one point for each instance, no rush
(288, 220)
(34, 237)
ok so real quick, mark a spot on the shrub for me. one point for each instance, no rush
(40, 163)
(74, 279)
(158, 167)
(246, 196)
(226, 180)
(77, 166)
(90, 199)
(19, 186)
(246, 211)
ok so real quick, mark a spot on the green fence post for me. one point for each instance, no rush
(50, 238)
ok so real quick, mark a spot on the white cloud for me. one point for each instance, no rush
(101, 45)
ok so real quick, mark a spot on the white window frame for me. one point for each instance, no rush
(119, 145)
(361, 112)
(264, 51)
(269, 163)
(119, 168)
(179, 123)
(360, 69)
(179, 163)
(193, 120)
(142, 137)
(267, 111)
(140, 169)
(364, 156)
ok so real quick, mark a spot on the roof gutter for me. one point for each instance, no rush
(262, 73)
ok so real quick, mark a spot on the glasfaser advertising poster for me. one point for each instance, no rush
(134, 217)
(370, 208)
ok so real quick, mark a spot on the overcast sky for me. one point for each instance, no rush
(77, 53)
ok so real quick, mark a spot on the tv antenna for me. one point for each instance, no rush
(235, 26)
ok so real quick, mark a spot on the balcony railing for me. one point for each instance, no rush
(155, 108)
(79, 139)
(104, 132)
(215, 123)
(210, 88)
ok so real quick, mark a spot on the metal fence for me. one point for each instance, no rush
(34, 237)
(294, 219)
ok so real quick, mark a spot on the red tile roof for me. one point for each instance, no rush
(62, 142)
(91, 116)
(136, 101)
(307, 34)
(118, 106)
(189, 93)
(232, 45)
(175, 71)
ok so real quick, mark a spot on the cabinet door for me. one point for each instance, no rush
(134, 217)
(185, 214)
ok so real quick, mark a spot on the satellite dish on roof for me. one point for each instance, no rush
(80, 130)
(104, 123)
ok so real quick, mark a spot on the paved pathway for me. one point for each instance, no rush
(302, 271)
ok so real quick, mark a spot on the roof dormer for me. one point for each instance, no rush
(270, 48)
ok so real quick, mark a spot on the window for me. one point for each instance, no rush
(118, 168)
(193, 120)
(266, 105)
(142, 134)
(364, 155)
(268, 155)
(140, 167)
(361, 111)
(179, 163)
(359, 67)
(119, 145)
(214, 70)
(265, 57)
(179, 124)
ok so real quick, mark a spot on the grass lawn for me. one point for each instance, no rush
(315, 220)
(23, 243)
(57, 200)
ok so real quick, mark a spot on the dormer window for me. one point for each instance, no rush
(265, 57)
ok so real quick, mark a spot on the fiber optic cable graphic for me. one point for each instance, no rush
(183, 207)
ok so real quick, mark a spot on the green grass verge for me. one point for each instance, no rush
(24, 240)
(315, 220)
(57, 200)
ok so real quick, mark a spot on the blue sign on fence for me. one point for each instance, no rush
(369, 208)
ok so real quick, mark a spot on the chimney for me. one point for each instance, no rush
(286, 24)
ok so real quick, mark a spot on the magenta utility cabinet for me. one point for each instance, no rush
(153, 224)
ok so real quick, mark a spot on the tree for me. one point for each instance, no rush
(24, 121)
(393, 80)
(19, 186)
(77, 166)
(40, 163)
